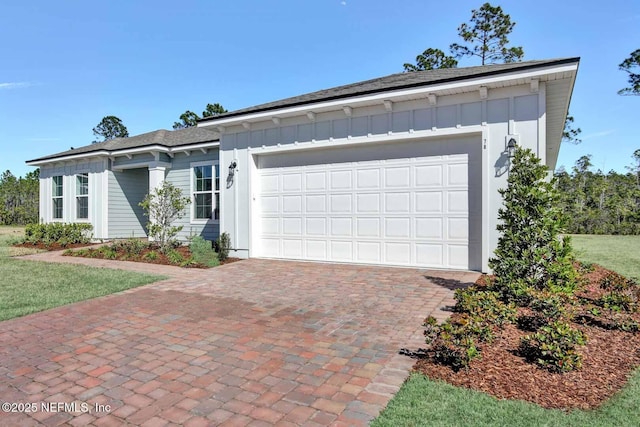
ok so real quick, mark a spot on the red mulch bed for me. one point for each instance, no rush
(51, 246)
(609, 358)
(161, 258)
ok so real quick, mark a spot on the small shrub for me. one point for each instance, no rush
(454, 343)
(108, 252)
(223, 245)
(202, 252)
(130, 247)
(623, 293)
(553, 347)
(151, 256)
(57, 232)
(484, 304)
(164, 205)
(175, 257)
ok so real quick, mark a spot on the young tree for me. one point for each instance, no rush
(487, 36)
(629, 65)
(431, 59)
(530, 254)
(189, 118)
(570, 134)
(110, 127)
(213, 110)
(164, 205)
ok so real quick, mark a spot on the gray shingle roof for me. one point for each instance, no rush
(162, 137)
(395, 82)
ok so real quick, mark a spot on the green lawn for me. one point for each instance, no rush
(29, 286)
(618, 253)
(422, 402)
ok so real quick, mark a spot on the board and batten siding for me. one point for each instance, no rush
(180, 176)
(97, 170)
(127, 189)
(505, 111)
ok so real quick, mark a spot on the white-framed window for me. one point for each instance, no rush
(57, 196)
(205, 191)
(82, 196)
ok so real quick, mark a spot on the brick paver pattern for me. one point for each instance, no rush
(256, 342)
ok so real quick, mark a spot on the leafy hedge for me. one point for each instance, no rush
(60, 233)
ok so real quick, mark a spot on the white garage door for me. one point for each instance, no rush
(410, 212)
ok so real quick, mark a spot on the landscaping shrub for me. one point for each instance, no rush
(530, 252)
(57, 232)
(132, 248)
(223, 245)
(164, 205)
(151, 255)
(485, 304)
(175, 257)
(202, 252)
(554, 347)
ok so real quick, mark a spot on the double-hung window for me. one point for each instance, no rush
(82, 196)
(57, 197)
(206, 192)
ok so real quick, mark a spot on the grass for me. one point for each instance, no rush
(423, 402)
(32, 286)
(618, 253)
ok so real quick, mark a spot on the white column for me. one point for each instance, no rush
(156, 177)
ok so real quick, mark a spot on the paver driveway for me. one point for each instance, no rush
(256, 342)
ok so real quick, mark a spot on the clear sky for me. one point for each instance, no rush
(66, 64)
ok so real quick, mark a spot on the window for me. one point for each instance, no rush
(82, 196)
(57, 197)
(206, 192)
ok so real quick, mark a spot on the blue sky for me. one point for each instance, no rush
(67, 64)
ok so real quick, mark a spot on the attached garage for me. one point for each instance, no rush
(401, 170)
(407, 204)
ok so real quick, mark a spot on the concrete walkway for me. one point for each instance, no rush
(256, 342)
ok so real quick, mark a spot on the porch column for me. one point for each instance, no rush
(156, 176)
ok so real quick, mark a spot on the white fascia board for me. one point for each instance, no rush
(470, 85)
(362, 140)
(115, 153)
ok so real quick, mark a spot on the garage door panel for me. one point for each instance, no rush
(429, 254)
(316, 181)
(457, 174)
(458, 229)
(397, 252)
(458, 201)
(316, 203)
(292, 226)
(397, 227)
(429, 228)
(368, 179)
(340, 203)
(292, 182)
(316, 226)
(368, 227)
(429, 202)
(411, 211)
(341, 251)
(368, 203)
(270, 204)
(316, 249)
(397, 177)
(292, 204)
(368, 252)
(397, 202)
(340, 180)
(341, 227)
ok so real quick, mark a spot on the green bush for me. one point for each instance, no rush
(485, 304)
(623, 293)
(151, 255)
(57, 232)
(202, 252)
(455, 342)
(553, 347)
(131, 247)
(223, 245)
(175, 257)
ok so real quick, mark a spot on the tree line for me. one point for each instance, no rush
(599, 203)
(19, 198)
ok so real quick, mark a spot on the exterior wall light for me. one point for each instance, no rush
(511, 147)
(232, 168)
